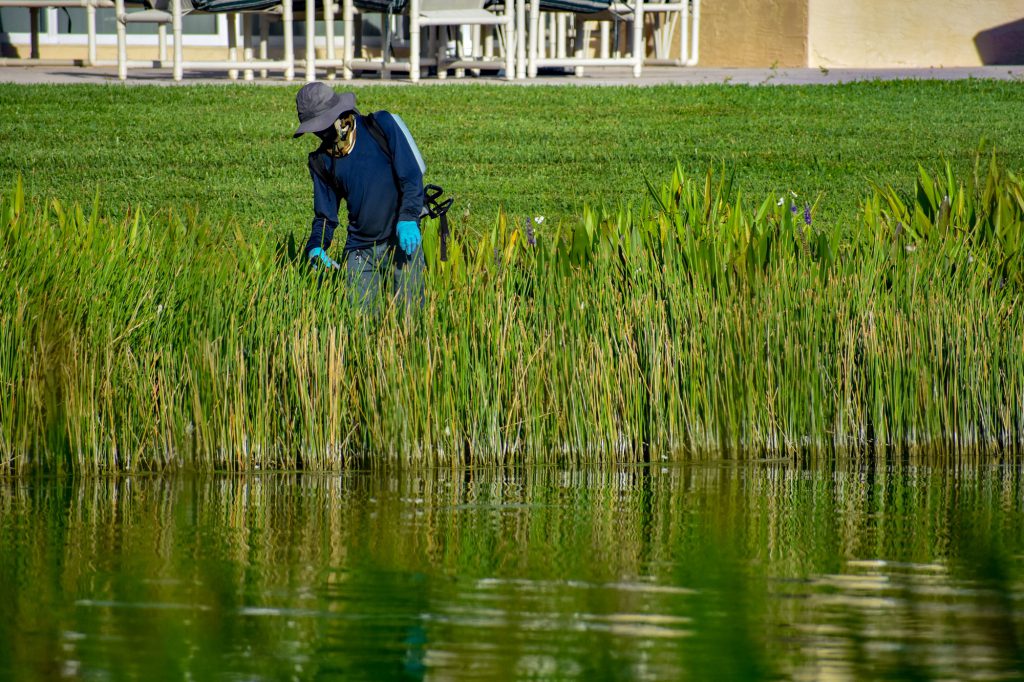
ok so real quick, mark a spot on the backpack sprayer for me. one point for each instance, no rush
(433, 206)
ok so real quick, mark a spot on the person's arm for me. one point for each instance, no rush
(407, 170)
(410, 182)
(325, 220)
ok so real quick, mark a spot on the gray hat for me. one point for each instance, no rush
(319, 106)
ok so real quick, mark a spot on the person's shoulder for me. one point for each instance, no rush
(384, 119)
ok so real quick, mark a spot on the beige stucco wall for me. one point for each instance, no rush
(915, 33)
(754, 32)
(109, 52)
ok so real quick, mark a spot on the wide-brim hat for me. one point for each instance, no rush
(318, 106)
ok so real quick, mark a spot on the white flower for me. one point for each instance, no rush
(537, 220)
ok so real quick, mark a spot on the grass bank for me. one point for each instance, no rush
(227, 151)
(689, 322)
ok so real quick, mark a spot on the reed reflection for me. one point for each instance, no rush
(751, 571)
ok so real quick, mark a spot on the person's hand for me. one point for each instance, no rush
(318, 258)
(409, 236)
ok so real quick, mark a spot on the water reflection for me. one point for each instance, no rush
(748, 571)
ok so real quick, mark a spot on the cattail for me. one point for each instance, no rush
(803, 243)
(944, 207)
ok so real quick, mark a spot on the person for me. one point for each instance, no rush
(378, 174)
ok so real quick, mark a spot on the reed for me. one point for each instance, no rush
(692, 322)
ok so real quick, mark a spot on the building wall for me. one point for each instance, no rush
(754, 33)
(786, 33)
(915, 33)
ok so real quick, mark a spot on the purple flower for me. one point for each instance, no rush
(807, 214)
(531, 238)
(793, 209)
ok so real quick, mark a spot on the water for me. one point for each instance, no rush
(725, 571)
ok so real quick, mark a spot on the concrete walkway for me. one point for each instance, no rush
(654, 75)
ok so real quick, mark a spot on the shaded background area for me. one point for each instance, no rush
(732, 33)
(1002, 44)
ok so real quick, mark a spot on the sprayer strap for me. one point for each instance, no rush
(377, 133)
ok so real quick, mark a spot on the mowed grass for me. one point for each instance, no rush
(227, 150)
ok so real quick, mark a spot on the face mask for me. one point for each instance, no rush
(339, 139)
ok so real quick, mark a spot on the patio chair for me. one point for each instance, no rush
(433, 15)
(679, 19)
(164, 12)
(33, 6)
(583, 12)
(666, 19)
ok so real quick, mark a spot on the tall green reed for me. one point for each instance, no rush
(691, 323)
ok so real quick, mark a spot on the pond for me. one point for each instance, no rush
(759, 570)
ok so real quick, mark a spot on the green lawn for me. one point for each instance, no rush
(227, 150)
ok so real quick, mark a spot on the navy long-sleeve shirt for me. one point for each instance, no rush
(378, 193)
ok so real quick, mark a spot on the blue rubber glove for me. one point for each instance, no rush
(409, 236)
(318, 258)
